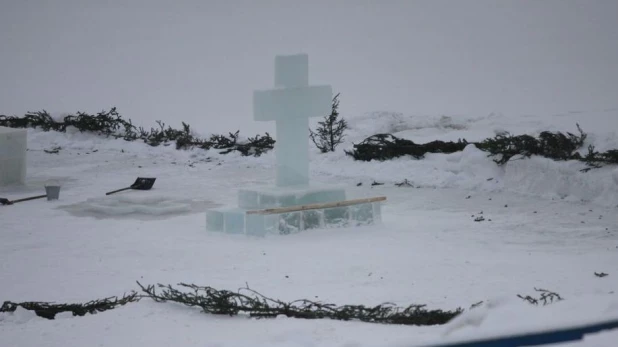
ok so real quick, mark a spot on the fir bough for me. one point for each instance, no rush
(50, 310)
(110, 123)
(386, 146)
(557, 146)
(503, 147)
(249, 302)
(546, 297)
(330, 132)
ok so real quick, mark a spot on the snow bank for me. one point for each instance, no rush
(512, 316)
(381, 122)
(19, 316)
(472, 169)
(562, 180)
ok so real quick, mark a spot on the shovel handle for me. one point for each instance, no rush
(30, 198)
(119, 190)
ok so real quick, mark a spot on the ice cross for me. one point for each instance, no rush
(290, 105)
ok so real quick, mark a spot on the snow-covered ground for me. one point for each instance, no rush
(547, 225)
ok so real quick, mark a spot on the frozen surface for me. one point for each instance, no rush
(136, 205)
(427, 250)
(13, 145)
(291, 105)
(270, 197)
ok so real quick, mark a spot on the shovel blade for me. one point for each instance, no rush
(5, 201)
(143, 183)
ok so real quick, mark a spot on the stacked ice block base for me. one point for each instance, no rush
(13, 144)
(238, 221)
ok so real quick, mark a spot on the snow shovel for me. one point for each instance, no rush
(53, 191)
(141, 183)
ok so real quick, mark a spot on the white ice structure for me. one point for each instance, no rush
(13, 144)
(290, 105)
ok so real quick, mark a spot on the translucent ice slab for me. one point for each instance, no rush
(290, 105)
(231, 220)
(13, 144)
(271, 197)
(238, 221)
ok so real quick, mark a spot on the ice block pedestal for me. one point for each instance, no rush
(13, 144)
(240, 220)
(286, 212)
(290, 105)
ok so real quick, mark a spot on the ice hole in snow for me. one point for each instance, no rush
(137, 207)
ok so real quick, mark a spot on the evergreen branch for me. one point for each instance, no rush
(385, 146)
(546, 297)
(330, 132)
(111, 124)
(503, 147)
(50, 310)
(250, 302)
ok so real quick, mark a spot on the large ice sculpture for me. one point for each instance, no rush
(13, 144)
(290, 105)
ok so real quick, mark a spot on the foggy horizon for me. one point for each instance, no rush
(199, 62)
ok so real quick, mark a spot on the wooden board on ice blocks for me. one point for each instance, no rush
(317, 206)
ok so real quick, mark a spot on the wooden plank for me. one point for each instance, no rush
(317, 206)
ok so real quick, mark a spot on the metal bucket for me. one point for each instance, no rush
(53, 192)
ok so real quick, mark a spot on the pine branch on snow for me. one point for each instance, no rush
(50, 310)
(111, 124)
(254, 304)
(249, 302)
(557, 146)
(503, 148)
(546, 297)
(386, 146)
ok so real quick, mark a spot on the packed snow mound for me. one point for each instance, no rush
(19, 316)
(383, 122)
(562, 180)
(473, 170)
(599, 125)
(511, 316)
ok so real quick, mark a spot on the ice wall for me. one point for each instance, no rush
(13, 144)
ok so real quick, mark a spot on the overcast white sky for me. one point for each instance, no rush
(199, 61)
